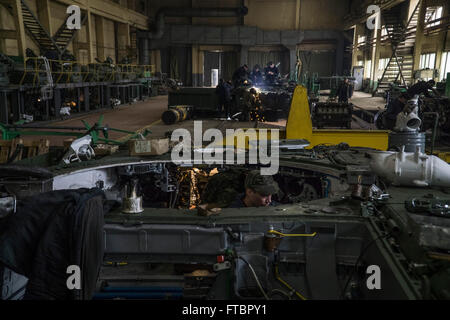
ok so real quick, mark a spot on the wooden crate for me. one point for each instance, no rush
(22, 149)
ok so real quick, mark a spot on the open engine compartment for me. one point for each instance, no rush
(334, 228)
(215, 261)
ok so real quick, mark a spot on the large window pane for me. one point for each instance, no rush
(367, 68)
(433, 13)
(427, 60)
(445, 65)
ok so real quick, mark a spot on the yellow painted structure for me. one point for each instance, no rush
(299, 126)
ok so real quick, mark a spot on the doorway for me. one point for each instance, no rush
(218, 65)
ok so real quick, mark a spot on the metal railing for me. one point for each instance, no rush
(36, 72)
(37, 68)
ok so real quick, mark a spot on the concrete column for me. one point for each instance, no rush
(419, 36)
(358, 31)
(245, 2)
(155, 60)
(201, 63)
(128, 34)
(3, 45)
(439, 51)
(340, 47)
(76, 47)
(132, 5)
(292, 60)
(20, 28)
(123, 39)
(2, 39)
(197, 66)
(100, 35)
(297, 15)
(89, 40)
(143, 44)
(44, 15)
(375, 55)
(441, 44)
(244, 55)
(196, 74)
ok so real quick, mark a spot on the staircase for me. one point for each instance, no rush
(64, 35)
(40, 35)
(36, 31)
(402, 39)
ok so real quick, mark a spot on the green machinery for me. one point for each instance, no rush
(311, 82)
(98, 132)
(334, 83)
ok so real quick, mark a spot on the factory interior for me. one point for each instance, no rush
(225, 150)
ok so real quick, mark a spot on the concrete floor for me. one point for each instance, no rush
(128, 117)
(366, 101)
(147, 114)
(361, 99)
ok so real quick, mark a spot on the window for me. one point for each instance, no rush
(361, 39)
(445, 65)
(382, 64)
(367, 68)
(433, 13)
(427, 60)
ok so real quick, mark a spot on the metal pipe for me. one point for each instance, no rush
(191, 12)
(204, 12)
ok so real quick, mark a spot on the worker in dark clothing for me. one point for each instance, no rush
(256, 75)
(240, 75)
(223, 91)
(345, 91)
(422, 87)
(271, 72)
(258, 191)
(394, 108)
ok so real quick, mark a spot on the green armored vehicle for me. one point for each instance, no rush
(144, 228)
